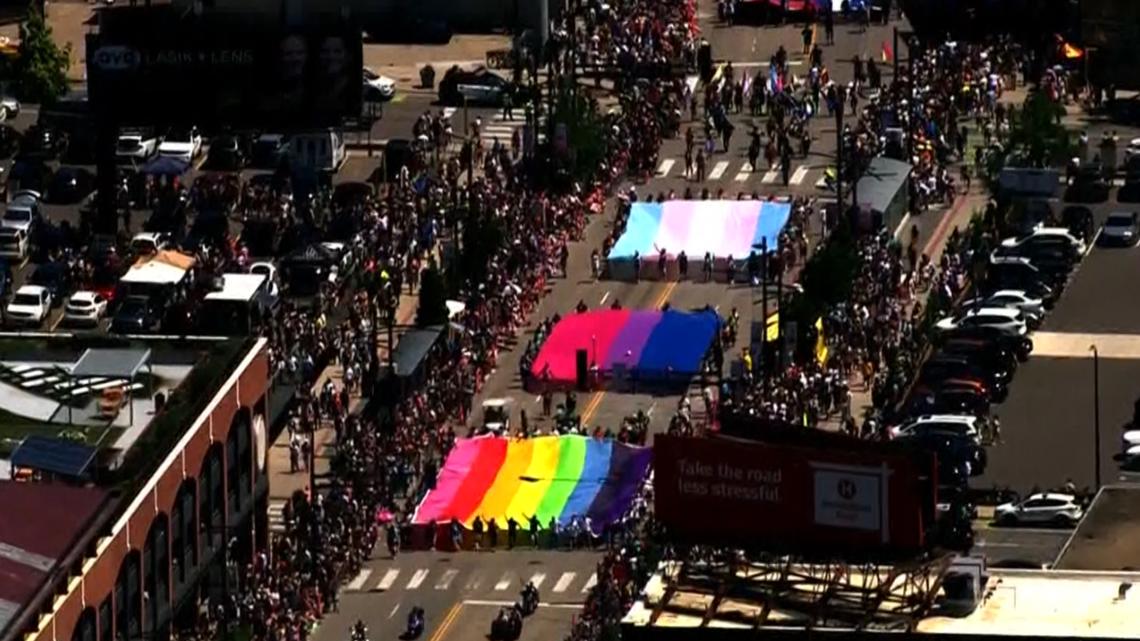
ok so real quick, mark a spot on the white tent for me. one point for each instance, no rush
(154, 272)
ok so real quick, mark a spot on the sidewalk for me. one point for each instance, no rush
(283, 483)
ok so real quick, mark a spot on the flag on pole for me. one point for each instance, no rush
(888, 55)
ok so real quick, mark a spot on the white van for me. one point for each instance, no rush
(319, 151)
(230, 309)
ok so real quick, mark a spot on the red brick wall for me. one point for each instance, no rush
(99, 581)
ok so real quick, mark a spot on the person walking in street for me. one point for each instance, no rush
(808, 34)
(829, 25)
(701, 165)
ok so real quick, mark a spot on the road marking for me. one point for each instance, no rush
(1074, 345)
(592, 407)
(745, 172)
(445, 625)
(504, 582)
(718, 170)
(652, 406)
(605, 297)
(449, 112)
(564, 581)
(444, 581)
(822, 182)
(666, 165)
(799, 175)
(770, 176)
(56, 322)
(395, 609)
(590, 583)
(358, 582)
(507, 604)
(1092, 243)
(538, 578)
(476, 579)
(417, 579)
(388, 579)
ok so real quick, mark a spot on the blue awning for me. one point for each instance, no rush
(54, 455)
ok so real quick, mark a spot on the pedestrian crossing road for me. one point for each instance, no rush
(801, 173)
(559, 576)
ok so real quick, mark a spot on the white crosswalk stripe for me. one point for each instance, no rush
(718, 170)
(538, 578)
(417, 579)
(504, 582)
(744, 173)
(666, 165)
(564, 581)
(444, 581)
(276, 514)
(474, 582)
(770, 176)
(388, 579)
(799, 175)
(590, 583)
(449, 111)
(358, 582)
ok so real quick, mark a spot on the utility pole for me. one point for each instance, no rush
(764, 311)
(841, 102)
(1096, 416)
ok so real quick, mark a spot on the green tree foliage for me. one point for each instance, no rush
(40, 70)
(432, 309)
(585, 132)
(1036, 137)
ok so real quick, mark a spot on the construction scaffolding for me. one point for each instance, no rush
(735, 591)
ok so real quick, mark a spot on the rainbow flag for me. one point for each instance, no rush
(547, 476)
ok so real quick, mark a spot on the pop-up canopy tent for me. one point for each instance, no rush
(722, 228)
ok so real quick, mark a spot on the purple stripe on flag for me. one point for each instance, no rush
(628, 468)
(631, 340)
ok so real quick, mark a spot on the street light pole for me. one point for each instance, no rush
(1096, 416)
(840, 103)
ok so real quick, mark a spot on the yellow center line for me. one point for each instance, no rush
(596, 400)
(445, 625)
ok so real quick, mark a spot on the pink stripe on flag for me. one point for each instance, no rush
(673, 232)
(740, 228)
(450, 480)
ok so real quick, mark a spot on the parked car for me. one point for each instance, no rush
(958, 457)
(958, 425)
(135, 147)
(9, 107)
(949, 397)
(69, 186)
(136, 315)
(269, 150)
(13, 243)
(1046, 508)
(942, 367)
(1018, 272)
(1033, 308)
(29, 306)
(9, 141)
(226, 153)
(43, 143)
(23, 212)
(1132, 150)
(1120, 229)
(378, 88)
(29, 174)
(147, 243)
(479, 86)
(1020, 345)
(85, 308)
(184, 144)
(1003, 317)
(54, 278)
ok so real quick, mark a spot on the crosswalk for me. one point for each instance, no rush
(739, 170)
(276, 513)
(384, 580)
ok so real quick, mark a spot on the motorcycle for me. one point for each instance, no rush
(415, 623)
(529, 596)
(507, 625)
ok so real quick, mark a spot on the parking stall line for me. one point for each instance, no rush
(358, 582)
(564, 581)
(417, 579)
(388, 579)
(718, 170)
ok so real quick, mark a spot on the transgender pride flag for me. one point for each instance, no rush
(720, 227)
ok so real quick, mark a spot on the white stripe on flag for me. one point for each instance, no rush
(718, 170)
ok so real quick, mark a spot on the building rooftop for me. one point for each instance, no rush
(44, 522)
(1108, 538)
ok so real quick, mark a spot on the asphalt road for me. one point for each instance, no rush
(461, 593)
(1019, 547)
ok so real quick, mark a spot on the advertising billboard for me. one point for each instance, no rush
(148, 68)
(726, 491)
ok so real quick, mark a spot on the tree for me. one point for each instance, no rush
(432, 309)
(40, 69)
(1037, 138)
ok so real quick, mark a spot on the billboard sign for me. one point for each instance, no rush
(725, 491)
(163, 71)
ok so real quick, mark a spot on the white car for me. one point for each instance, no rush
(1008, 320)
(1120, 228)
(13, 243)
(9, 107)
(378, 88)
(85, 307)
(1043, 236)
(136, 147)
(1032, 307)
(949, 424)
(1133, 148)
(1044, 508)
(147, 243)
(29, 306)
(185, 144)
(22, 211)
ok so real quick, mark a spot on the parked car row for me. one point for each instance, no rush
(978, 349)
